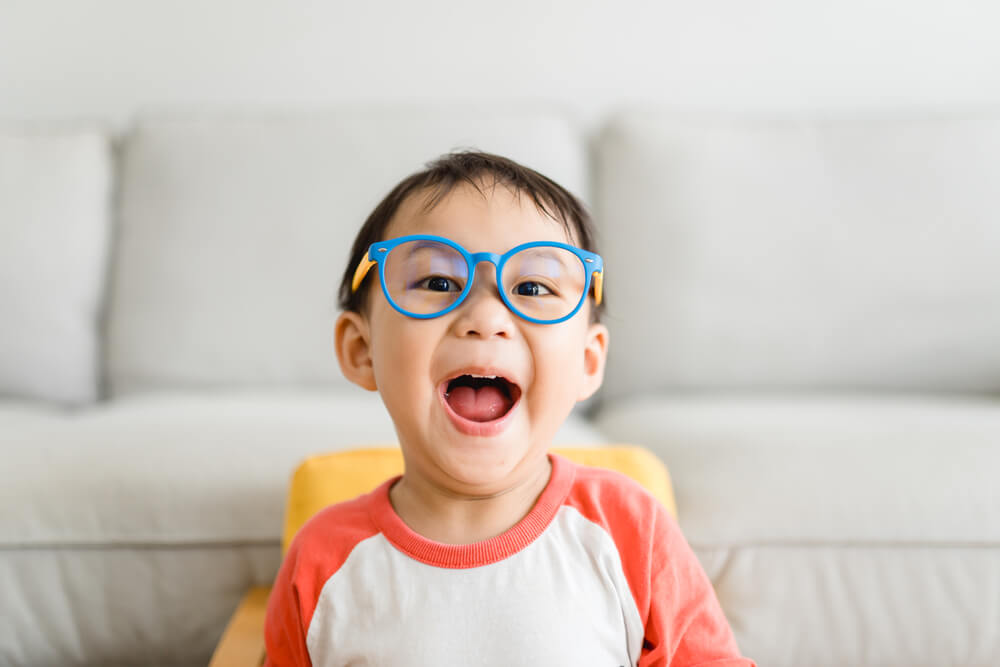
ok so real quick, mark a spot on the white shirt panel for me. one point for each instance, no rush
(562, 600)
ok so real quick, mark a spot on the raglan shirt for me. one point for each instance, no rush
(598, 573)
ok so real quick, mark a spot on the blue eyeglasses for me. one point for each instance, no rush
(425, 276)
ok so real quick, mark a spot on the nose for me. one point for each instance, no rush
(484, 314)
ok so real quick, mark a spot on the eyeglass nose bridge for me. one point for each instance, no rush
(475, 259)
(480, 257)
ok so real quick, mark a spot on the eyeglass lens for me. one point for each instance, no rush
(426, 277)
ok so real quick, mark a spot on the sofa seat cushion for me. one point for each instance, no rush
(177, 468)
(874, 468)
(869, 524)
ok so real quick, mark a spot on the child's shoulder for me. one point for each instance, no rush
(641, 527)
(612, 498)
(335, 530)
(610, 486)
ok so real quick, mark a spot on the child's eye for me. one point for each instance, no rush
(531, 288)
(438, 284)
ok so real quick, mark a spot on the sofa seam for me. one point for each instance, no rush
(851, 544)
(138, 545)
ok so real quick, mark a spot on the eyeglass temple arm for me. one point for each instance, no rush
(361, 272)
(598, 287)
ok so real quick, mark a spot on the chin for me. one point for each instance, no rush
(485, 464)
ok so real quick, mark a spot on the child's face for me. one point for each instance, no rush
(411, 361)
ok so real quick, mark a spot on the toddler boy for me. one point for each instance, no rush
(472, 305)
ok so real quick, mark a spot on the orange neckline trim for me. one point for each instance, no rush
(477, 554)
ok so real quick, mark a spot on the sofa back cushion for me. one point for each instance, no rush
(797, 254)
(55, 185)
(235, 231)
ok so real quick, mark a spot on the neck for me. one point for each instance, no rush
(443, 515)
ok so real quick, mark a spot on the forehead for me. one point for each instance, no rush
(493, 218)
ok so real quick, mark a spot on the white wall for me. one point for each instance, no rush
(107, 58)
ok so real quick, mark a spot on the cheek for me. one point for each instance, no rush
(399, 363)
(559, 365)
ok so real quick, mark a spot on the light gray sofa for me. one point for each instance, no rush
(805, 318)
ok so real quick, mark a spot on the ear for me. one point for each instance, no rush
(595, 353)
(352, 342)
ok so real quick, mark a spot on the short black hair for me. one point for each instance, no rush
(469, 167)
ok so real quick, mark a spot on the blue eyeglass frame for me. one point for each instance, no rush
(593, 266)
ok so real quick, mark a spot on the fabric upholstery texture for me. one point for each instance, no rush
(864, 249)
(179, 468)
(55, 187)
(866, 468)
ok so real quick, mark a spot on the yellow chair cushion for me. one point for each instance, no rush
(326, 479)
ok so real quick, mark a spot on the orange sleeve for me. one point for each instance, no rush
(318, 550)
(685, 625)
(285, 625)
(683, 620)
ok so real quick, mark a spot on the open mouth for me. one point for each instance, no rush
(481, 398)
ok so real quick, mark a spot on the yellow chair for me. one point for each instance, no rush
(332, 478)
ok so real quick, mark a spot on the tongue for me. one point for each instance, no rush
(482, 405)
